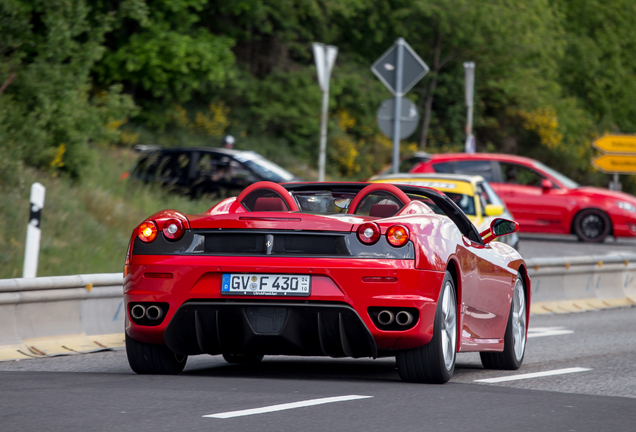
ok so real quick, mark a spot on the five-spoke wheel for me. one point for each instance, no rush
(435, 361)
(592, 225)
(515, 337)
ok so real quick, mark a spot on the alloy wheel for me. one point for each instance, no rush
(519, 320)
(449, 326)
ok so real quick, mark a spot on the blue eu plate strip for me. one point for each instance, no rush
(225, 284)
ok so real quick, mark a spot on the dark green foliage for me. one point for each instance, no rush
(51, 108)
(551, 76)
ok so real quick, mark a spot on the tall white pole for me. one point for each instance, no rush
(325, 57)
(323, 135)
(469, 76)
(32, 249)
(398, 104)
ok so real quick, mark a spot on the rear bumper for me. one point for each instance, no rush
(275, 329)
(325, 323)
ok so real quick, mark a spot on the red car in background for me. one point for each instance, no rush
(542, 199)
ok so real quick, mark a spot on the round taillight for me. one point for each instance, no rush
(368, 233)
(397, 235)
(173, 229)
(147, 231)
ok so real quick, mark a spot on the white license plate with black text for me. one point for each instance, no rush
(266, 284)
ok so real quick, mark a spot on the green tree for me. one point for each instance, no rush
(48, 111)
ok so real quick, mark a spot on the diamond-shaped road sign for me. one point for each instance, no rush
(413, 68)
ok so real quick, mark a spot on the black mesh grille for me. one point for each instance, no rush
(266, 319)
(283, 244)
(235, 243)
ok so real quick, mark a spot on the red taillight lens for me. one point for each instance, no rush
(397, 235)
(173, 229)
(368, 233)
(147, 231)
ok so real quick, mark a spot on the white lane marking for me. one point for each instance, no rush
(547, 331)
(287, 406)
(533, 375)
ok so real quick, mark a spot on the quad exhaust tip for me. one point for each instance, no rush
(403, 318)
(385, 317)
(138, 311)
(154, 313)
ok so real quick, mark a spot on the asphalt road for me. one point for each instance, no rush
(546, 245)
(99, 392)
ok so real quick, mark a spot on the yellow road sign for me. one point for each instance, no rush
(616, 143)
(616, 163)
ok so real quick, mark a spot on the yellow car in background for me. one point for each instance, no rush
(471, 193)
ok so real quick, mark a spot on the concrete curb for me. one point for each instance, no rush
(60, 315)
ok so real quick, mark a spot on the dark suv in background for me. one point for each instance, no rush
(203, 170)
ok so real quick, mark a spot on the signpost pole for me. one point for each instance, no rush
(398, 104)
(469, 75)
(323, 135)
(615, 185)
(325, 56)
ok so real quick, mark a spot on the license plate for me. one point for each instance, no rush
(266, 284)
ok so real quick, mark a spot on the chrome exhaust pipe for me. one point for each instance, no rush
(154, 312)
(385, 317)
(138, 311)
(403, 318)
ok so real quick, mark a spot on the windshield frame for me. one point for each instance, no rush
(261, 166)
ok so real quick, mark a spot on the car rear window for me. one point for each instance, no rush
(444, 167)
(475, 167)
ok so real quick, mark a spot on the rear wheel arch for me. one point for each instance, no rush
(523, 272)
(453, 268)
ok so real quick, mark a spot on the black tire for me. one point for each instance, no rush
(243, 358)
(592, 225)
(428, 364)
(514, 350)
(145, 358)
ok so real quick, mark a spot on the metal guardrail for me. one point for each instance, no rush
(570, 284)
(76, 307)
(60, 315)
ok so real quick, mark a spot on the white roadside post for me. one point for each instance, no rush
(325, 56)
(469, 75)
(32, 249)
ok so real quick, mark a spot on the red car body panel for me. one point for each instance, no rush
(485, 274)
(546, 210)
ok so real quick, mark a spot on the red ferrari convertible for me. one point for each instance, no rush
(325, 269)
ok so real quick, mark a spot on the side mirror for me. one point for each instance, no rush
(546, 185)
(493, 210)
(499, 227)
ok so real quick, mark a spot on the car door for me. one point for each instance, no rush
(486, 282)
(535, 208)
(486, 288)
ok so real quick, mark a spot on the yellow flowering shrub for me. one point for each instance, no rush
(215, 121)
(57, 161)
(545, 123)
